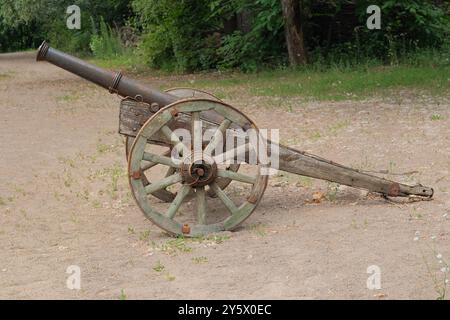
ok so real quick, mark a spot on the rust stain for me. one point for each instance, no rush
(394, 190)
(186, 229)
(136, 175)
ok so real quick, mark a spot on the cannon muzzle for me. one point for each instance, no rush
(114, 82)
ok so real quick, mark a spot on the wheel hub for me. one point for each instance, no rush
(198, 170)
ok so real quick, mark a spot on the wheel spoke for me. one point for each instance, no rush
(176, 203)
(236, 176)
(222, 196)
(232, 154)
(170, 171)
(164, 183)
(197, 132)
(201, 205)
(157, 159)
(178, 145)
(147, 166)
(218, 136)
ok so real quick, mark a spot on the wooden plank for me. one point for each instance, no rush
(309, 165)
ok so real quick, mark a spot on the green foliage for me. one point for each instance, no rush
(262, 45)
(177, 35)
(106, 43)
(31, 21)
(407, 26)
(337, 82)
(187, 35)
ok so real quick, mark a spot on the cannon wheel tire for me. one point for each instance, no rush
(195, 172)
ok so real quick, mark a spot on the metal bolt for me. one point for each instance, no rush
(154, 107)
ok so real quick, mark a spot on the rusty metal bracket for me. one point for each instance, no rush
(186, 229)
(137, 175)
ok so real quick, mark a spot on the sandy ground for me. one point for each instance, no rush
(65, 200)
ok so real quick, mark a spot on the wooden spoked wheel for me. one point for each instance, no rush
(187, 93)
(196, 172)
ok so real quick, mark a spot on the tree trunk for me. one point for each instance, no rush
(294, 32)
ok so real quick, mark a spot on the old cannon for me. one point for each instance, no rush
(198, 166)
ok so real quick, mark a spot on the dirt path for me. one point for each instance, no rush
(64, 200)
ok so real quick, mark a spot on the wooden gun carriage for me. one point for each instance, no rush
(198, 174)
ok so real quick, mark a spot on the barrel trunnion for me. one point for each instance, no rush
(198, 174)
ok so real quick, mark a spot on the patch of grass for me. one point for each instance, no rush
(335, 128)
(436, 117)
(169, 277)
(84, 195)
(68, 180)
(259, 229)
(214, 238)
(220, 94)
(200, 259)
(335, 84)
(114, 172)
(96, 204)
(175, 245)
(131, 230)
(6, 75)
(2, 202)
(122, 295)
(306, 182)
(127, 62)
(332, 191)
(67, 161)
(68, 98)
(159, 267)
(103, 148)
(315, 136)
(143, 235)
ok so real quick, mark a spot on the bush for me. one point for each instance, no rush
(407, 26)
(177, 35)
(263, 45)
(106, 43)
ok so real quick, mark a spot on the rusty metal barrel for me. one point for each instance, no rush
(115, 82)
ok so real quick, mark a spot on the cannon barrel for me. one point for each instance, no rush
(114, 82)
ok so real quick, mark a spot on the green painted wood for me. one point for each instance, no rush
(218, 137)
(205, 229)
(201, 205)
(177, 144)
(168, 220)
(139, 193)
(224, 198)
(196, 106)
(196, 132)
(232, 154)
(244, 211)
(176, 203)
(158, 121)
(163, 183)
(154, 158)
(236, 176)
(170, 171)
